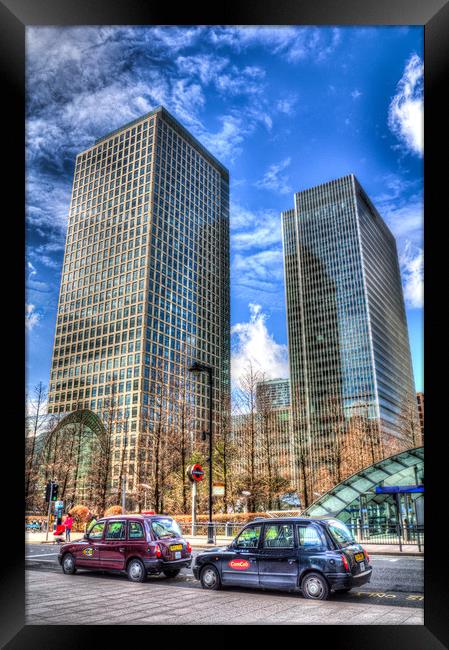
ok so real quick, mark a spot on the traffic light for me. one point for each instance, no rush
(51, 492)
(47, 491)
(54, 496)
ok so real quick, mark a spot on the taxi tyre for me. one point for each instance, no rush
(315, 587)
(68, 564)
(170, 573)
(210, 578)
(135, 570)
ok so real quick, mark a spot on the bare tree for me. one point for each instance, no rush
(110, 415)
(409, 425)
(35, 423)
(247, 405)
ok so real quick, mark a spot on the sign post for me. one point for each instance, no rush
(195, 474)
(193, 507)
(123, 494)
(218, 489)
(49, 509)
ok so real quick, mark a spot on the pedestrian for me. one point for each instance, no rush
(92, 521)
(68, 523)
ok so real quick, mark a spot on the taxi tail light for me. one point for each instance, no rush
(158, 551)
(188, 547)
(345, 561)
(366, 554)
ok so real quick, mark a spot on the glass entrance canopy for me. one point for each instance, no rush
(356, 496)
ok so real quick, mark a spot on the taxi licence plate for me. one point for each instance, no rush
(359, 556)
(176, 547)
(177, 555)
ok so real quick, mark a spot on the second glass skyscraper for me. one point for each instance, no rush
(349, 352)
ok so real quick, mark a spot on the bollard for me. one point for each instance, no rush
(399, 537)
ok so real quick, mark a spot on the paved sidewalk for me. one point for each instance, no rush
(39, 538)
(89, 599)
(200, 542)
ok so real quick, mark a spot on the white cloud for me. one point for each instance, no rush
(32, 270)
(286, 105)
(291, 43)
(205, 66)
(406, 112)
(412, 269)
(273, 178)
(253, 343)
(356, 94)
(225, 143)
(405, 220)
(31, 317)
(259, 277)
(254, 229)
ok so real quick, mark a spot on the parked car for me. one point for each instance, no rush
(136, 544)
(314, 556)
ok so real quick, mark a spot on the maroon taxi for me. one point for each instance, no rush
(135, 544)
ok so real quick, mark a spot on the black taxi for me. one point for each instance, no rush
(313, 556)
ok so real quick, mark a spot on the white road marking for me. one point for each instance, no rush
(29, 557)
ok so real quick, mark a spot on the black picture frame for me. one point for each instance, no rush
(15, 15)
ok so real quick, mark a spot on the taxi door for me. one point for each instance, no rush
(240, 564)
(312, 548)
(278, 557)
(113, 547)
(87, 553)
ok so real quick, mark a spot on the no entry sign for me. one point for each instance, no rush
(195, 472)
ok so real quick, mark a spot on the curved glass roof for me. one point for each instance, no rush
(88, 418)
(405, 468)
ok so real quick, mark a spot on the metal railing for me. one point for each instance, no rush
(221, 529)
(390, 533)
(400, 535)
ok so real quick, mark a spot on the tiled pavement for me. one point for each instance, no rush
(58, 599)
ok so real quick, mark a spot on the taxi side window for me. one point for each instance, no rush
(96, 532)
(309, 537)
(116, 530)
(279, 536)
(135, 530)
(249, 538)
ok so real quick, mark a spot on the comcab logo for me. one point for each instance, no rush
(240, 565)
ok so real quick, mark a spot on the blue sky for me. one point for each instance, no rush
(283, 108)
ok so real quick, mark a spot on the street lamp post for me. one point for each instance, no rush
(145, 487)
(197, 367)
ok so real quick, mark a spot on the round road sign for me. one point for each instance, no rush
(195, 472)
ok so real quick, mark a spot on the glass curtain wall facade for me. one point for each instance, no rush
(350, 362)
(275, 392)
(144, 289)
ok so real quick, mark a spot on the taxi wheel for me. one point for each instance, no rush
(314, 586)
(171, 573)
(210, 578)
(68, 564)
(136, 571)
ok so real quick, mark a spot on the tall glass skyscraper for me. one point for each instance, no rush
(350, 362)
(144, 288)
